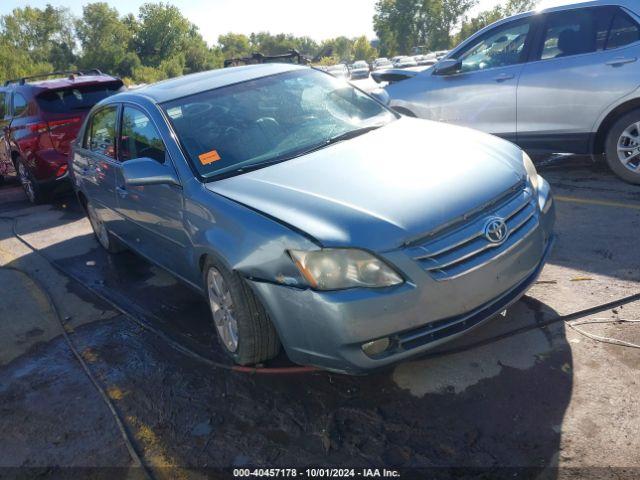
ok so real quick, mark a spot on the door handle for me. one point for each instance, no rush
(618, 62)
(122, 191)
(504, 77)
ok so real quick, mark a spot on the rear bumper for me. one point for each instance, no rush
(328, 329)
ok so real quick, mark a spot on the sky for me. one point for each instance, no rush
(316, 19)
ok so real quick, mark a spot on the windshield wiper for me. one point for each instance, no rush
(351, 134)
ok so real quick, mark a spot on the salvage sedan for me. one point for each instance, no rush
(312, 216)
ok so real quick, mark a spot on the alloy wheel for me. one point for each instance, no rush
(629, 148)
(27, 183)
(222, 309)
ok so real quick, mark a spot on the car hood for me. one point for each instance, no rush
(384, 188)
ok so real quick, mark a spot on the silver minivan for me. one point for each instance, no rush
(560, 80)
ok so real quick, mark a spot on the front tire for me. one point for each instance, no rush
(622, 147)
(242, 325)
(104, 237)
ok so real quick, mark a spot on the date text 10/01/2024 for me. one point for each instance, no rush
(316, 473)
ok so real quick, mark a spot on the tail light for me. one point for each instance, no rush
(62, 170)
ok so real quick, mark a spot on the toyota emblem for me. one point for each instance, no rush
(496, 231)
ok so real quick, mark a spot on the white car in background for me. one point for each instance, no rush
(339, 71)
(382, 63)
(359, 69)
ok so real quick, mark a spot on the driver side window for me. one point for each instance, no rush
(499, 47)
(139, 137)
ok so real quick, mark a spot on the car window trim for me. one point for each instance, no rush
(102, 156)
(524, 55)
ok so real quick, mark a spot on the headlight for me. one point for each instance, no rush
(532, 173)
(337, 269)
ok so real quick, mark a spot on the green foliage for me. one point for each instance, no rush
(402, 25)
(483, 19)
(157, 43)
(362, 50)
(234, 45)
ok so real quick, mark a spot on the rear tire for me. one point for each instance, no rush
(622, 147)
(242, 325)
(33, 191)
(103, 235)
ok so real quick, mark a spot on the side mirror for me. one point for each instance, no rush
(393, 75)
(447, 67)
(146, 171)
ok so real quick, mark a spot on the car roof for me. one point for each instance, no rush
(557, 5)
(191, 84)
(64, 82)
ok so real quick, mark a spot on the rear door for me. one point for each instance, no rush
(585, 59)
(95, 162)
(153, 214)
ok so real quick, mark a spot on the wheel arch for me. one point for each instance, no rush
(600, 138)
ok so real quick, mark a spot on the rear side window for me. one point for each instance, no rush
(139, 137)
(102, 132)
(574, 32)
(80, 97)
(19, 104)
(623, 31)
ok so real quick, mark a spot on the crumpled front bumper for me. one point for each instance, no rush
(328, 329)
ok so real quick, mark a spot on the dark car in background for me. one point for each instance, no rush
(40, 118)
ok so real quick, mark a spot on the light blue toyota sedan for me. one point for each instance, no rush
(311, 216)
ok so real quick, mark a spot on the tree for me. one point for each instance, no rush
(362, 50)
(106, 40)
(518, 6)
(402, 25)
(163, 32)
(471, 26)
(46, 36)
(483, 19)
(234, 45)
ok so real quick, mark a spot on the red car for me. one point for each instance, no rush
(40, 119)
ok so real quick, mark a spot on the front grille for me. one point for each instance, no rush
(466, 248)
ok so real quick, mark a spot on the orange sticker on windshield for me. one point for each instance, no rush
(209, 157)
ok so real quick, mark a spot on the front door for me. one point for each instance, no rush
(482, 94)
(586, 60)
(153, 214)
(95, 162)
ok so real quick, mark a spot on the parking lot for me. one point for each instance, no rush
(547, 397)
